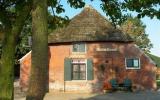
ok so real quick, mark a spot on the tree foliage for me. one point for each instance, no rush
(150, 8)
(136, 29)
(23, 45)
(55, 22)
(117, 9)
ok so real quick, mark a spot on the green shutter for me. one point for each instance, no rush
(89, 69)
(67, 69)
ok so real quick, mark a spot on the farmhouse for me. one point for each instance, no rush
(88, 53)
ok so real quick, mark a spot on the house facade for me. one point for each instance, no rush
(88, 53)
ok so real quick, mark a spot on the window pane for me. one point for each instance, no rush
(75, 48)
(130, 63)
(133, 63)
(75, 76)
(82, 67)
(81, 48)
(83, 76)
(136, 63)
(78, 69)
(75, 67)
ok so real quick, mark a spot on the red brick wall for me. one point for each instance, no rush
(25, 65)
(113, 62)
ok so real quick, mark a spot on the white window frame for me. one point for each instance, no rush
(85, 62)
(133, 67)
(79, 52)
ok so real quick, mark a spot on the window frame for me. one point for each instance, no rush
(133, 67)
(78, 63)
(78, 51)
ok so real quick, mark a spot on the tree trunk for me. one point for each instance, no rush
(8, 52)
(7, 67)
(39, 71)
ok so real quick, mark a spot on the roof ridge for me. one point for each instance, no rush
(88, 6)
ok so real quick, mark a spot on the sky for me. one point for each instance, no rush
(152, 25)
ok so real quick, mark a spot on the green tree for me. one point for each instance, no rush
(8, 18)
(39, 73)
(115, 9)
(136, 29)
(38, 80)
(23, 45)
(12, 16)
(55, 22)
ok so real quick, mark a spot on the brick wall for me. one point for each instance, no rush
(25, 65)
(113, 63)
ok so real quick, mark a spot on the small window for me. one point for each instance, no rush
(79, 47)
(78, 70)
(132, 63)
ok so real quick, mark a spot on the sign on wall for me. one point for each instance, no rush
(106, 49)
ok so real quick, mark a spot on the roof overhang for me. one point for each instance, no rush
(20, 60)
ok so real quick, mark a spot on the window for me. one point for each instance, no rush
(79, 47)
(132, 63)
(78, 69)
(79, 72)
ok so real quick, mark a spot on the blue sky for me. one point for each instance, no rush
(152, 25)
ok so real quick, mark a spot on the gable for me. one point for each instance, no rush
(89, 25)
(25, 57)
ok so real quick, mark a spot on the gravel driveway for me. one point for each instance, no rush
(120, 95)
(107, 96)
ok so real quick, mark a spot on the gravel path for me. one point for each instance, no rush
(18, 94)
(107, 96)
(120, 95)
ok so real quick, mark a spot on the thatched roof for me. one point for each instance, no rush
(89, 25)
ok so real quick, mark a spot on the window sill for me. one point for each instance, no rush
(77, 81)
(133, 68)
(78, 53)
